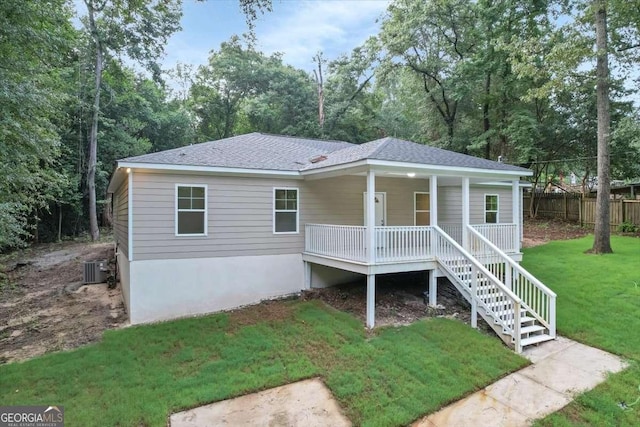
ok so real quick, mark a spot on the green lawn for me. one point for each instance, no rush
(599, 305)
(139, 375)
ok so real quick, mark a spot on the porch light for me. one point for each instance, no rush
(411, 174)
(128, 170)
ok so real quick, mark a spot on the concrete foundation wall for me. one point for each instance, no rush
(125, 278)
(167, 289)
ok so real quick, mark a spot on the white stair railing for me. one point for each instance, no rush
(485, 290)
(537, 299)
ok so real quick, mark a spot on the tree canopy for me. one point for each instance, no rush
(491, 78)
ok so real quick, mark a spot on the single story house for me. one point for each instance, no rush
(227, 223)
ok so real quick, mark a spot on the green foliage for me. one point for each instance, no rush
(598, 302)
(628, 227)
(36, 41)
(140, 375)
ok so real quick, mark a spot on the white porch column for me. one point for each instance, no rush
(516, 212)
(465, 212)
(307, 275)
(371, 216)
(433, 200)
(371, 300)
(433, 288)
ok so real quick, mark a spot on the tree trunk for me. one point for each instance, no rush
(485, 116)
(602, 241)
(320, 83)
(93, 136)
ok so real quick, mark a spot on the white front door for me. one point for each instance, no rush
(381, 209)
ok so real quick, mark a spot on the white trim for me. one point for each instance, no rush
(428, 169)
(206, 210)
(130, 216)
(415, 206)
(273, 201)
(210, 169)
(433, 196)
(384, 207)
(497, 211)
(509, 184)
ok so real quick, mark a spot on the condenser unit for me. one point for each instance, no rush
(95, 271)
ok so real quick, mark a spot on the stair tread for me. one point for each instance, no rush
(535, 339)
(532, 328)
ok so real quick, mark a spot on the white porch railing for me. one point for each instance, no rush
(501, 235)
(453, 230)
(536, 298)
(337, 241)
(403, 243)
(393, 244)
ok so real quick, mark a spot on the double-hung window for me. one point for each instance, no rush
(191, 210)
(491, 208)
(285, 210)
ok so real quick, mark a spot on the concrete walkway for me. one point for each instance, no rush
(561, 369)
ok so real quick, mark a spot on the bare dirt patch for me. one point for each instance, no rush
(400, 299)
(45, 308)
(540, 231)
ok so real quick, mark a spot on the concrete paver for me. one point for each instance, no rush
(560, 370)
(306, 403)
(528, 397)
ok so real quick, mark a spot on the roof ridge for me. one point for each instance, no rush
(338, 141)
(385, 140)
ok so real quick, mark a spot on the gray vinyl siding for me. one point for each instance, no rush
(340, 200)
(450, 204)
(239, 212)
(476, 196)
(121, 218)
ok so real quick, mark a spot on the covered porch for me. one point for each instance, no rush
(394, 241)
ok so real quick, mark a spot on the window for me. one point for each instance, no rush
(491, 208)
(191, 210)
(422, 208)
(285, 210)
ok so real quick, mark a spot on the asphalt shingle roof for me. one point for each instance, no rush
(250, 151)
(398, 150)
(286, 153)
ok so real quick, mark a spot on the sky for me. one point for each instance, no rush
(296, 28)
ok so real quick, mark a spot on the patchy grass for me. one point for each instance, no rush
(599, 305)
(139, 375)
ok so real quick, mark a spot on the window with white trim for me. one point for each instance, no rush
(285, 210)
(422, 209)
(491, 208)
(191, 210)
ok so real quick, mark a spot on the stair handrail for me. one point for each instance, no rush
(522, 271)
(512, 263)
(479, 265)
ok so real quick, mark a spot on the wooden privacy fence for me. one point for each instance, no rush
(573, 207)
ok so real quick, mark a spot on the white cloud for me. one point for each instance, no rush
(331, 26)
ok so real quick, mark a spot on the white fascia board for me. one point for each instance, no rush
(447, 170)
(422, 168)
(523, 184)
(211, 170)
(117, 179)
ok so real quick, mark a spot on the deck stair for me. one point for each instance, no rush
(517, 306)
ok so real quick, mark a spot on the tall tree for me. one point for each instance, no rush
(137, 29)
(35, 45)
(602, 241)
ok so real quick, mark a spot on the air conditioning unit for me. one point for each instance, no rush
(95, 271)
